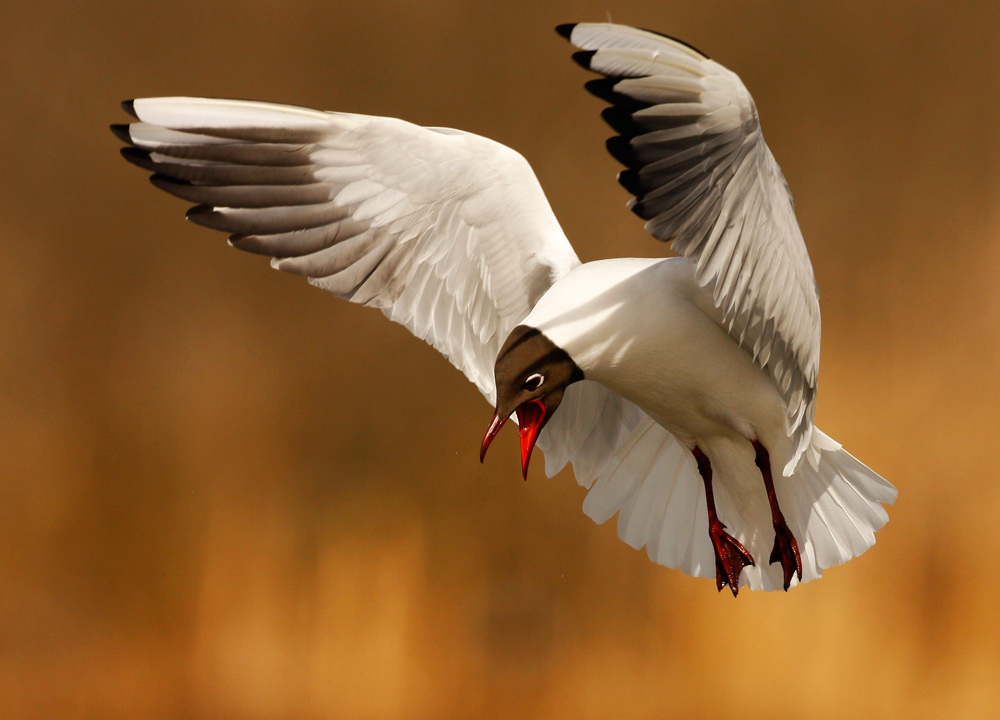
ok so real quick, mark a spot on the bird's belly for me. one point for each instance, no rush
(698, 383)
(696, 407)
(646, 330)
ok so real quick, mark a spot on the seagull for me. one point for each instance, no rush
(680, 389)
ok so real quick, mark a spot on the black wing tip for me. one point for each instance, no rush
(621, 150)
(129, 107)
(630, 180)
(566, 29)
(165, 182)
(620, 120)
(583, 57)
(201, 215)
(136, 156)
(603, 88)
(120, 131)
(644, 211)
(600, 87)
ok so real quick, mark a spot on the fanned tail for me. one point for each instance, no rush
(832, 503)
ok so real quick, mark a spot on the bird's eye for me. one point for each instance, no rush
(533, 382)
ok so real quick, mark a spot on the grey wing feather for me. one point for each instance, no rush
(446, 232)
(704, 179)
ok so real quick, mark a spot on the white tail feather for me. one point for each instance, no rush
(831, 502)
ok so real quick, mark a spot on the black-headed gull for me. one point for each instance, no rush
(680, 389)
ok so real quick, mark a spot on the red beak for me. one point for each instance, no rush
(530, 417)
(491, 432)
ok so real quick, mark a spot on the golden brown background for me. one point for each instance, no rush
(225, 494)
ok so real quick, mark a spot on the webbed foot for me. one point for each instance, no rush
(730, 557)
(786, 551)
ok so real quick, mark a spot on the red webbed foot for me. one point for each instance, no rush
(730, 557)
(786, 551)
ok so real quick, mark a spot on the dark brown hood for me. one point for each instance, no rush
(531, 374)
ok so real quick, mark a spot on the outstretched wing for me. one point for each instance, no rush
(704, 179)
(446, 232)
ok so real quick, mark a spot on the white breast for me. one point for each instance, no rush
(647, 331)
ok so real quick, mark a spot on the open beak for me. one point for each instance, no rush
(531, 418)
(491, 432)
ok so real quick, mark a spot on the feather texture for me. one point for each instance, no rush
(705, 180)
(832, 502)
(446, 232)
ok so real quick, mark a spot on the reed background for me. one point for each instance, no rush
(225, 494)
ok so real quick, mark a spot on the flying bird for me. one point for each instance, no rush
(681, 389)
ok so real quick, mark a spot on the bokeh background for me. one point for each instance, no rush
(225, 494)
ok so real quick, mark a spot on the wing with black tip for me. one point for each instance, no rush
(446, 232)
(704, 179)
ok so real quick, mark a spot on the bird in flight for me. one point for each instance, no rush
(681, 389)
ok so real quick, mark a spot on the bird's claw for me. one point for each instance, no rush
(786, 551)
(730, 558)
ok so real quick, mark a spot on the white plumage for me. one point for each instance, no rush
(450, 234)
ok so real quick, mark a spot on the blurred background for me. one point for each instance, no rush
(225, 494)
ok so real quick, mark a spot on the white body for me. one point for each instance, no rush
(645, 329)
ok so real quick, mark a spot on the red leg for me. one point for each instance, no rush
(730, 555)
(786, 549)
